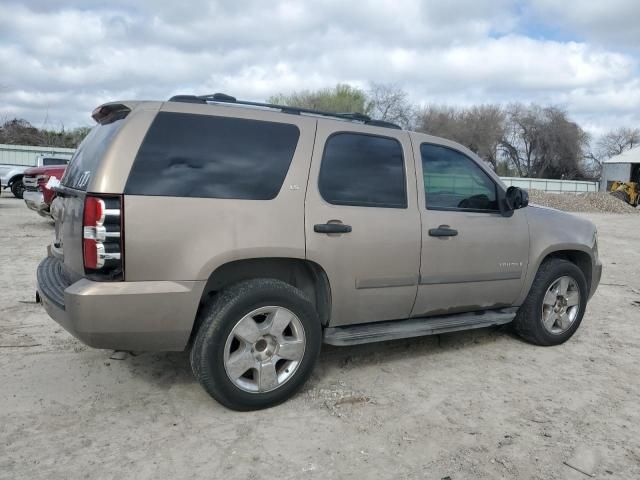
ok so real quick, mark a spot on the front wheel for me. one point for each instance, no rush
(553, 310)
(17, 188)
(257, 344)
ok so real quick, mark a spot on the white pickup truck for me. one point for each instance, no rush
(11, 175)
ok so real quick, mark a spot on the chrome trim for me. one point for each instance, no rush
(29, 181)
(112, 212)
(108, 255)
(99, 233)
(100, 257)
(34, 200)
(89, 233)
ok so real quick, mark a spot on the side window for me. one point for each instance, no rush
(54, 161)
(363, 170)
(453, 181)
(187, 155)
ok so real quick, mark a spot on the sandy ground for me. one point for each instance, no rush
(474, 405)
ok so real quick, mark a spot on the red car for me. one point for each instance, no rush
(36, 194)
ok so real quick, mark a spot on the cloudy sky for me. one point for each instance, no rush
(58, 60)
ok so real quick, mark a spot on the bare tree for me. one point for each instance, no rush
(483, 130)
(439, 120)
(609, 145)
(480, 128)
(617, 141)
(543, 142)
(390, 103)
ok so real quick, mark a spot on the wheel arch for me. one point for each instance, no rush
(303, 274)
(577, 255)
(15, 177)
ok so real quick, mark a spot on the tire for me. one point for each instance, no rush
(226, 341)
(529, 322)
(17, 188)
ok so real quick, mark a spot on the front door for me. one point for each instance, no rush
(473, 258)
(362, 223)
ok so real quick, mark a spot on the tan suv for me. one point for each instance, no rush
(251, 233)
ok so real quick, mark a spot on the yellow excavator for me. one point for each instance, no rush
(626, 191)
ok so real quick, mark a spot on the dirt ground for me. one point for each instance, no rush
(474, 405)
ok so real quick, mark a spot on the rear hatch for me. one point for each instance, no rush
(68, 207)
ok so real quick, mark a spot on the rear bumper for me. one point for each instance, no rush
(35, 201)
(142, 316)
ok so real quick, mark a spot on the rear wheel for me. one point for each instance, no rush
(17, 188)
(257, 344)
(555, 305)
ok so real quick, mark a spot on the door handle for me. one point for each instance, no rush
(443, 231)
(331, 228)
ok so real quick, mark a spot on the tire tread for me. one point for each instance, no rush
(528, 323)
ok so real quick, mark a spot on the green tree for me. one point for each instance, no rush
(342, 98)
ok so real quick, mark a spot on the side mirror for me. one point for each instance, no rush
(516, 198)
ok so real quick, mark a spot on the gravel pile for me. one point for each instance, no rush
(581, 202)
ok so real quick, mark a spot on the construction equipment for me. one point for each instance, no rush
(626, 191)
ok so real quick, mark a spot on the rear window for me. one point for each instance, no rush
(187, 155)
(46, 162)
(85, 161)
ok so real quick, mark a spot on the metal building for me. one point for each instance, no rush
(624, 168)
(26, 154)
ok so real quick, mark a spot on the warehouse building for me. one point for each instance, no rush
(26, 154)
(624, 168)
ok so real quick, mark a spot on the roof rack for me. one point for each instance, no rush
(223, 98)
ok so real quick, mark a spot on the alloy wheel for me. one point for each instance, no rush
(264, 349)
(561, 305)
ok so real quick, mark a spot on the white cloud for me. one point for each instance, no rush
(612, 22)
(60, 62)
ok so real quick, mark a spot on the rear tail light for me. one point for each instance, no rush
(102, 237)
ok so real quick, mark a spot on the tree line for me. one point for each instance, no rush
(21, 132)
(524, 140)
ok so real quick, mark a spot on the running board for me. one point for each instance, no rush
(416, 327)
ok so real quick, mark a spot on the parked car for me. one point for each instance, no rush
(251, 233)
(11, 176)
(37, 194)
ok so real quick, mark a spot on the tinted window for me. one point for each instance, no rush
(85, 161)
(190, 155)
(54, 161)
(363, 170)
(454, 181)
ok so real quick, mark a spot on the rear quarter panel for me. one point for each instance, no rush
(177, 238)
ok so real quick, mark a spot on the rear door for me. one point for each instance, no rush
(361, 220)
(473, 258)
